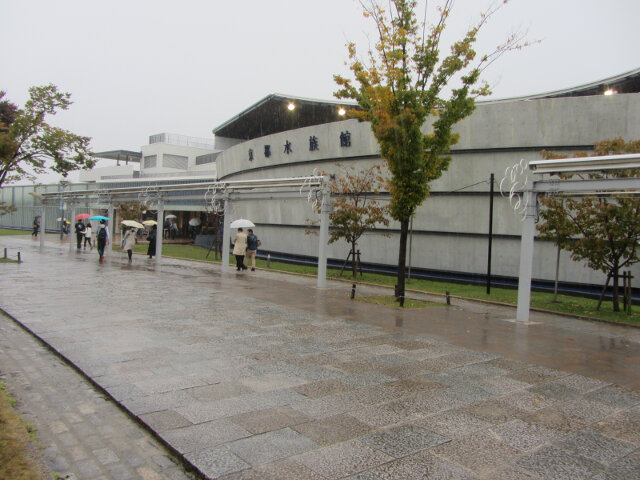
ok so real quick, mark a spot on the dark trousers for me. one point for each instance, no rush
(79, 237)
(101, 245)
(87, 240)
(240, 262)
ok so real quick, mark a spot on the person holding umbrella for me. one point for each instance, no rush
(80, 231)
(239, 249)
(129, 242)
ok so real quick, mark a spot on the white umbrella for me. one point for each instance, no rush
(194, 222)
(242, 223)
(149, 222)
(170, 216)
(132, 223)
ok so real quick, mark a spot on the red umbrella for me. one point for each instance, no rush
(83, 216)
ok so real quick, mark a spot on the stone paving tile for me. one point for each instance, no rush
(417, 467)
(342, 459)
(219, 391)
(164, 420)
(261, 421)
(478, 452)
(495, 411)
(536, 374)
(615, 397)
(623, 426)
(280, 470)
(321, 388)
(215, 462)
(595, 446)
(158, 402)
(551, 462)
(271, 446)
(454, 423)
(581, 383)
(589, 411)
(204, 435)
(333, 429)
(627, 468)
(404, 440)
(523, 436)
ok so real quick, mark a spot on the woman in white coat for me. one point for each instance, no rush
(129, 242)
(239, 249)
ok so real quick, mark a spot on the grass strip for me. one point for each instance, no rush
(16, 438)
(10, 231)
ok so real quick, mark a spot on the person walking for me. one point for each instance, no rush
(252, 247)
(239, 249)
(80, 229)
(151, 251)
(102, 239)
(129, 242)
(87, 236)
(36, 227)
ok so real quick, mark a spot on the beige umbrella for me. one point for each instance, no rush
(149, 222)
(132, 223)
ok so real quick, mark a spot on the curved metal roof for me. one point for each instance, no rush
(271, 115)
(628, 82)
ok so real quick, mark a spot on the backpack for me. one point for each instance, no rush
(102, 234)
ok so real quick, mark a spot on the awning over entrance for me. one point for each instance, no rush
(278, 113)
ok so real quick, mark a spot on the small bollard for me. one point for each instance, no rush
(5, 253)
(353, 291)
(19, 259)
(448, 297)
(268, 260)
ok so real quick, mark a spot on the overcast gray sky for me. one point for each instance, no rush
(140, 67)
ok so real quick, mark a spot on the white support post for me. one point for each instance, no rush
(226, 234)
(526, 256)
(72, 230)
(43, 218)
(160, 230)
(325, 210)
(111, 228)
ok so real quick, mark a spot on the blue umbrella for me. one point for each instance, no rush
(98, 217)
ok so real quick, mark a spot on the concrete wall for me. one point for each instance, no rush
(160, 149)
(450, 229)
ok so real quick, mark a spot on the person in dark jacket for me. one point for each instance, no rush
(102, 238)
(151, 251)
(252, 247)
(80, 228)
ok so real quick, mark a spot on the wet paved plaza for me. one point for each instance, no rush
(258, 375)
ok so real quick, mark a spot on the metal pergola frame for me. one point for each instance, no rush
(581, 187)
(316, 188)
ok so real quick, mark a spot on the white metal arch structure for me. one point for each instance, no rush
(310, 187)
(568, 187)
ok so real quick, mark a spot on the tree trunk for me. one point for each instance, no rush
(402, 260)
(353, 259)
(604, 291)
(555, 287)
(616, 302)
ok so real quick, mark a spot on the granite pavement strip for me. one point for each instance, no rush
(262, 376)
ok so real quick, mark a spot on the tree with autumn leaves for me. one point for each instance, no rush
(355, 208)
(30, 146)
(399, 88)
(603, 230)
